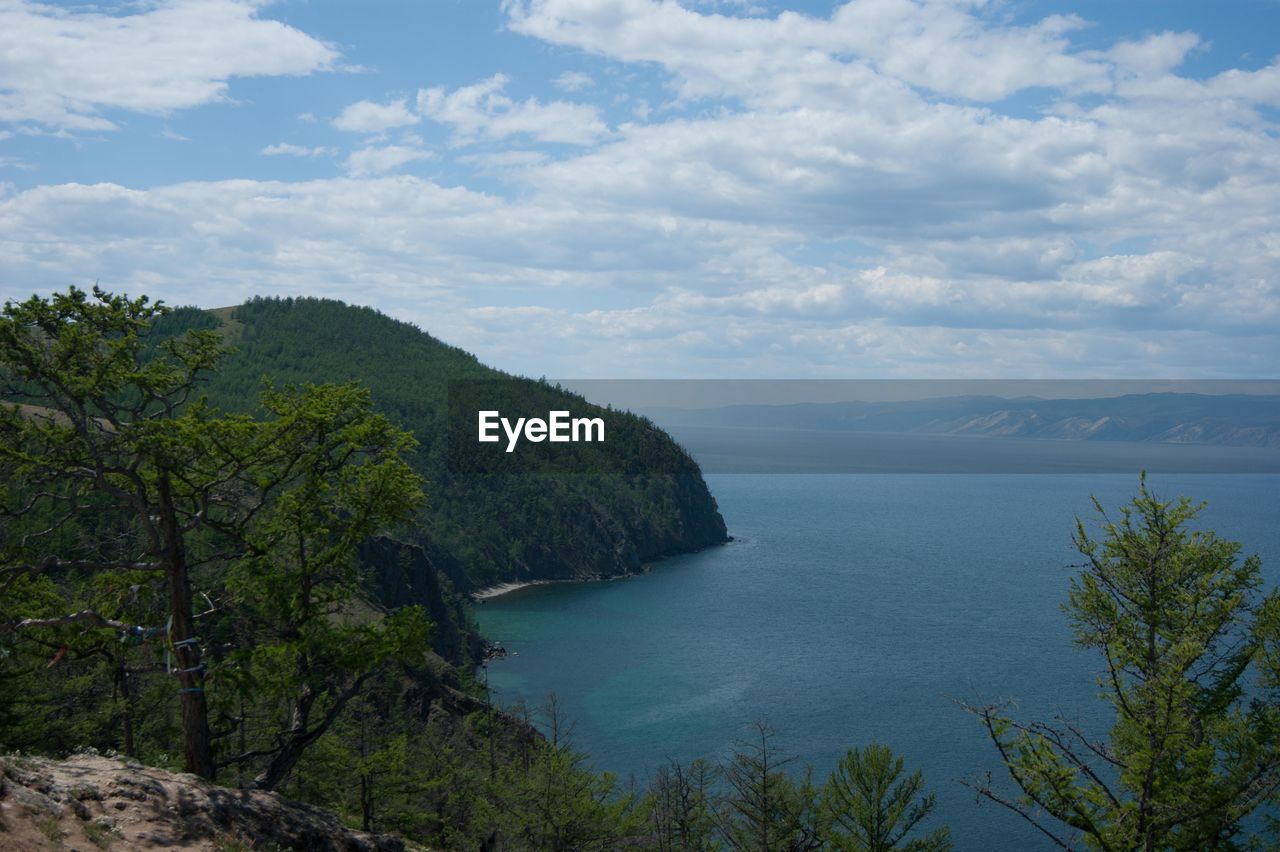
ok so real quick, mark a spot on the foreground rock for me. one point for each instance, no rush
(89, 802)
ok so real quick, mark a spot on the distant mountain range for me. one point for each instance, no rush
(1236, 420)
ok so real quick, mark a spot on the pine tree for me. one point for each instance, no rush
(868, 806)
(102, 431)
(763, 808)
(1191, 648)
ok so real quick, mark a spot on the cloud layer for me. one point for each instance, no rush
(64, 69)
(900, 188)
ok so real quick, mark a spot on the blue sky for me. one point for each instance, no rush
(647, 189)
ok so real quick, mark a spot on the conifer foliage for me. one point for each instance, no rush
(117, 476)
(1191, 650)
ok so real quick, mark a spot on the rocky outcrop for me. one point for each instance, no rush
(89, 802)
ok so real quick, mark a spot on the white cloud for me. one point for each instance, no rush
(380, 159)
(482, 111)
(500, 162)
(291, 150)
(948, 49)
(640, 291)
(1153, 56)
(574, 81)
(935, 44)
(63, 68)
(370, 117)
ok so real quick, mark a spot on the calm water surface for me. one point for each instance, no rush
(850, 609)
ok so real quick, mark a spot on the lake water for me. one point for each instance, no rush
(849, 609)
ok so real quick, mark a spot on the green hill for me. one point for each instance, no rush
(477, 530)
(249, 628)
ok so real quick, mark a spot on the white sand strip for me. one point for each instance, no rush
(485, 594)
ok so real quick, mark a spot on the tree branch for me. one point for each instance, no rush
(84, 616)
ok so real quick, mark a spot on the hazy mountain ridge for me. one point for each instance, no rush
(1236, 420)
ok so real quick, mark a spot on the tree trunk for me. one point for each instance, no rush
(275, 772)
(126, 697)
(300, 736)
(366, 803)
(196, 743)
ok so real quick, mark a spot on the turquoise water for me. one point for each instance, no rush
(850, 609)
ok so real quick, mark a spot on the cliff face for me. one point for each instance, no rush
(91, 802)
(602, 528)
(402, 574)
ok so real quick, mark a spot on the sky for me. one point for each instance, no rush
(935, 189)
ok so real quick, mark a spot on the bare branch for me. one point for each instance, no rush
(84, 616)
(11, 573)
(987, 792)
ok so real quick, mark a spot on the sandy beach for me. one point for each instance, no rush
(482, 595)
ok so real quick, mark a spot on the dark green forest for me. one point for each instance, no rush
(263, 583)
(479, 530)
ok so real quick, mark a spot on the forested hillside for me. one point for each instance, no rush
(237, 594)
(479, 530)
